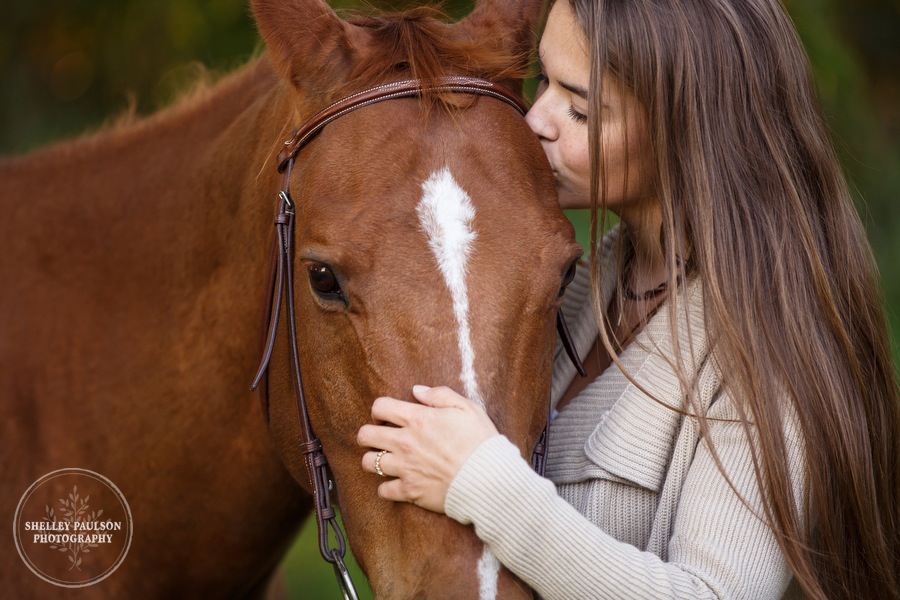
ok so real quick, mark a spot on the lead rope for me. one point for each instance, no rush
(282, 286)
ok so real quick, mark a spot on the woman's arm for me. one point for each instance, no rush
(718, 547)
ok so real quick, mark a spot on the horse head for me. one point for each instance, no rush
(429, 248)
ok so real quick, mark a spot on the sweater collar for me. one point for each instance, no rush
(627, 428)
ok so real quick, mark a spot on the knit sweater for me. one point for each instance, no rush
(634, 505)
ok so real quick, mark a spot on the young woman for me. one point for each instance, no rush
(738, 434)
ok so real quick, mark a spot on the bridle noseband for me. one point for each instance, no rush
(281, 287)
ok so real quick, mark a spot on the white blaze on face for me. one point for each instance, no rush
(446, 214)
(488, 569)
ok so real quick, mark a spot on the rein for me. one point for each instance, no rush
(281, 287)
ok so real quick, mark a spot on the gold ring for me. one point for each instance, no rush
(378, 462)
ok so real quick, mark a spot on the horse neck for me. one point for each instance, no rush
(145, 244)
(172, 196)
(143, 248)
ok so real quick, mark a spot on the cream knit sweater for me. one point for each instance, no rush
(634, 505)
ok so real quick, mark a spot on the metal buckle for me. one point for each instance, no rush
(343, 576)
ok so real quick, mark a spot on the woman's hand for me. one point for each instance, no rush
(427, 448)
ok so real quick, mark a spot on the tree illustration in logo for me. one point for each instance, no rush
(74, 510)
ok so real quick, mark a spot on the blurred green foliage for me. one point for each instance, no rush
(308, 576)
(67, 66)
(854, 48)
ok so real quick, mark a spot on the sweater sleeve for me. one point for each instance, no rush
(719, 547)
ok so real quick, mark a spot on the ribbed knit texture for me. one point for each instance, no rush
(639, 508)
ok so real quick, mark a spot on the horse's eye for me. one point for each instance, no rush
(324, 283)
(568, 276)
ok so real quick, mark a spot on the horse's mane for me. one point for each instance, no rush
(419, 43)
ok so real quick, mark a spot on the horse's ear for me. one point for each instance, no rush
(512, 22)
(307, 40)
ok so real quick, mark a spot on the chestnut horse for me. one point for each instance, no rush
(134, 263)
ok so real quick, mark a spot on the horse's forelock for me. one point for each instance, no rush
(421, 44)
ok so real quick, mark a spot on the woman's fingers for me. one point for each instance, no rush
(391, 410)
(438, 397)
(380, 437)
(398, 412)
(375, 461)
(400, 490)
(422, 445)
(396, 491)
(393, 488)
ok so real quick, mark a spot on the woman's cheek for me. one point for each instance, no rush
(579, 170)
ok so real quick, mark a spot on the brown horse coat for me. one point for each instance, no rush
(133, 266)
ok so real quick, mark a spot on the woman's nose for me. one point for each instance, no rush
(539, 118)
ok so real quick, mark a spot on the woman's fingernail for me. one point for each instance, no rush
(420, 389)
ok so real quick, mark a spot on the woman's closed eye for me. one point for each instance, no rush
(577, 116)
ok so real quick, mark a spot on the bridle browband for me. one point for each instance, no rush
(389, 91)
(281, 286)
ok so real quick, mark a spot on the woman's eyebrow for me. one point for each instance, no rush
(578, 91)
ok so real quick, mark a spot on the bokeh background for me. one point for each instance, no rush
(70, 66)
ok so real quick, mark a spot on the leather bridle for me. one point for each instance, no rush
(281, 287)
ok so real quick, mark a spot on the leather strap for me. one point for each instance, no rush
(568, 344)
(389, 91)
(539, 454)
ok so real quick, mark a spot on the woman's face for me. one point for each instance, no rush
(559, 118)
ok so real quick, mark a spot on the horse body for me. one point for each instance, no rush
(135, 263)
(129, 334)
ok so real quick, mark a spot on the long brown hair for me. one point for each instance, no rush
(748, 181)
